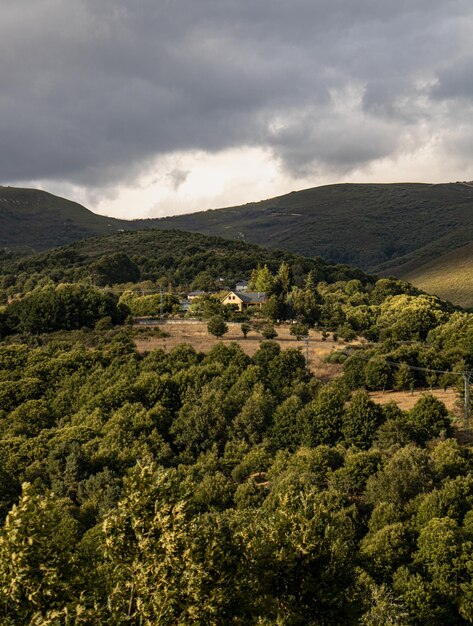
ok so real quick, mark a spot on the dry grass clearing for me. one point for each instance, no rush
(407, 399)
(196, 334)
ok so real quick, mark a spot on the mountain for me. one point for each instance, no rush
(31, 219)
(390, 228)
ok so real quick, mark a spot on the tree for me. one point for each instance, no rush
(203, 281)
(429, 418)
(299, 330)
(37, 570)
(115, 269)
(361, 420)
(407, 317)
(406, 474)
(377, 373)
(403, 377)
(269, 332)
(254, 419)
(245, 329)
(323, 417)
(287, 430)
(273, 308)
(284, 277)
(261, 279)
(217, 326)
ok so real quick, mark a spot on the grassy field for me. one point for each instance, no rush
(450, 276)
(196, 334)
(406, 399)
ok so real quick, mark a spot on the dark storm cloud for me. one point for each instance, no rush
(93, 89)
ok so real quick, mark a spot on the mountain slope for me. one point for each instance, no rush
(179, 256)
(31, 218)
(372, 226)
(450, 276)
(386, 228)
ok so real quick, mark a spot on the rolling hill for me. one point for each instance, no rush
(180, 256)
(32, 219)
(391, 229)
(450, 276)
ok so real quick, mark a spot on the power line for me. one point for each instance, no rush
(412, 367)
(466, 375)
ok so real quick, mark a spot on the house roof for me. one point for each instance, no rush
(251, 297)
(198, 292)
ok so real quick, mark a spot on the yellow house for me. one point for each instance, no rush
(245, 299)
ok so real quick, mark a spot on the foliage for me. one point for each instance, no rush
(217, 326)
(299, 330)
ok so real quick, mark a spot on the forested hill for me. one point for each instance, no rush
(32, 219)
(372, 226)
(151, 254)
(387, 228)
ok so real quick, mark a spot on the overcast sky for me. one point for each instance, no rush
(140, 108)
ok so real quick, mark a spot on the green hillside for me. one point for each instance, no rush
(179, 256)
(372, 226)
(450, 276)
(34, 219)
(387, 228)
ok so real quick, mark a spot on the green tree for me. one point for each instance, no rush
(361, 420)
(38, 572)
(284, 278)
(254, 419)
(269, 332)
(217, 326)
(377, 374)
(407, 317)
(323, 417)
(299, 330)
(403, 377)
(115, 269)
(288, 430)
(261, 279)
(429, 418)
(245, 329)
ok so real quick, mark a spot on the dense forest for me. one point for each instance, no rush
(188, 488)
(175, 258)
(191, 488)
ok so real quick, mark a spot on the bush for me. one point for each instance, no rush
(217, 326)
(299, 330)
(269, 332)
(245, 329)
(104, 323)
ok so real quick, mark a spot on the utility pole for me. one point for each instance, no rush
(466, 380)
(306, 343)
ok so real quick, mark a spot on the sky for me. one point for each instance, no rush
(144, 108)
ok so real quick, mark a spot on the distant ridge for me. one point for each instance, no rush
(384, 228)
(32, 220)
(388, 228)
